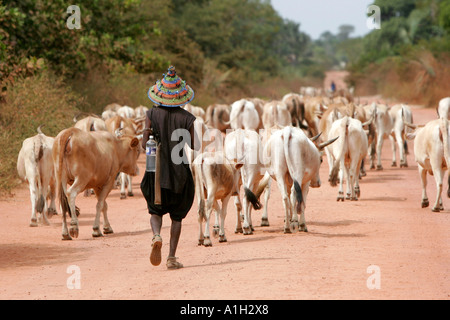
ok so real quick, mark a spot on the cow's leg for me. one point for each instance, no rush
(201, 217)
(439, 177)
(71, 194)
(357, 189)
(295, 208)
(394, 150)
(305, 191)
(423, 179)
(34, 199)
(210, 201)
(265, 215)
(372, 155)
(44, 194)
(101, 207)
(349, 185)
(379, 147)
(52, 208)
(341, 185)
(286, 203)
(107, 229)
(130, 186)
(223, 214)
(216, 226)
(123, 182)
(238, 205)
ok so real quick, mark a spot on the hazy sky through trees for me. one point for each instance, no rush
(318, 16)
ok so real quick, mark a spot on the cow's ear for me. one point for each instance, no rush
(134, 142)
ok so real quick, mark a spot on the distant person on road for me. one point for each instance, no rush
(333, 87)
(176, 185)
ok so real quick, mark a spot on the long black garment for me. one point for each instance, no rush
(177, 185)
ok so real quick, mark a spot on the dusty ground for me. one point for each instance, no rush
(386, 229)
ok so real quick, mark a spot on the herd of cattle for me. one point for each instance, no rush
(246, 145)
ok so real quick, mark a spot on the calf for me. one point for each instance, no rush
(347, 155)
(90, 160)
(216, 178)
(35, 165)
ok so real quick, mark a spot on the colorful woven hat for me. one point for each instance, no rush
(171, 91)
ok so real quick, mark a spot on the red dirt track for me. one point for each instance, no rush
(386, 228)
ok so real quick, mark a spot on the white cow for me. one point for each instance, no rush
(399, 114)
(432, 153)
(216, 178)
(35, 165)
(198, 112)
(294, 163)
(443, 108)
(126, 112)
(384, 125)
(276, 113)
(244, 115)
(246, 145)
(347, 153)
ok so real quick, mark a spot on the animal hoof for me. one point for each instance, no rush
(73, 231)
(215, 231)
(425, 203)
(207, 242)
(51, 212)
(293, 226)
(66, 236)
(436, 209)
(265, 222)
(222, 238)
(123, 196)
(287, 230)
(403, 165)
(394, 164)
(238, 230)
(200, 242)
(248, 231)
(379, 168)
(130, 194)
(96, 233)
(108, 230)
(303, 228)
(33, 223)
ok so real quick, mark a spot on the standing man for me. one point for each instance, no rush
(176, 182)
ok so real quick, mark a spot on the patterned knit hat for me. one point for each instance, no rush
(171, 91)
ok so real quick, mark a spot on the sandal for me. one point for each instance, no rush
(155, 255)
(173, 264)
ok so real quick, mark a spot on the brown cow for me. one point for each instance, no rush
(90, 160)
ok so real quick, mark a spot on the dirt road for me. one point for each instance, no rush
(383, 246)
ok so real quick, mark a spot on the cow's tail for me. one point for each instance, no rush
(444, 132)
(38, 154)
(252, 198)
(287, 137)
(60, 150)
(199, 188)
(336, 166)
